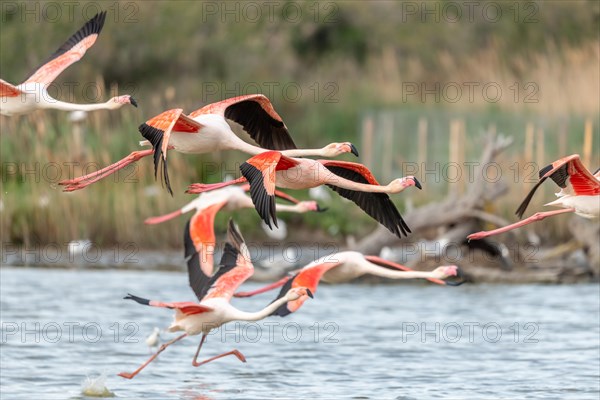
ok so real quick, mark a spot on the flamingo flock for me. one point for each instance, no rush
(275, 162)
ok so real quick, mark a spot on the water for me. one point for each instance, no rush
(352, 341)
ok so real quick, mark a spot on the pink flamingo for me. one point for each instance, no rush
(350, 180)
(214, 294)
(345, 266)
(200, 233)
(579, 194)
(33, 95)
(206, 131)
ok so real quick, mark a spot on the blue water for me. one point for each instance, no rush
(353, 341)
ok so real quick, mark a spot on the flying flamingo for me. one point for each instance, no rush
(199, 231)
(345, 266)
(214, 294)
(580, 194)
(33, 95)
(206, 131)
(350, 180)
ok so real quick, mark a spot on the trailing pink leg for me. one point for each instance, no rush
(86, 180)
(130, 375)
(236, 353)
(272, 286)
(196, 188)
(535, 217)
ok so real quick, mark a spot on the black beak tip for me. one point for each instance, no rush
(322, 209)
(418, 184)
(354, 150)
(310, 294)
(461, 278)
(133, 101)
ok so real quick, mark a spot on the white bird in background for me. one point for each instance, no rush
(154, 339)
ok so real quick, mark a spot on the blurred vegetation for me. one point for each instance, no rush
(324, 67)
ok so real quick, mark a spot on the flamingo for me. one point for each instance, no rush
(199, 231)
(345, 266)
(579, 194)
(153, 339)
(33, 95)
(350, 180)
(206, 131)
(214, 294)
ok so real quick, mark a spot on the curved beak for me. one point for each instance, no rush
(353, 149)
(417, 183)
(133, 101)
(321, 209)
(310, 294)
(459, 282)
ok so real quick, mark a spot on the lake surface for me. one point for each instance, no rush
(352, 341)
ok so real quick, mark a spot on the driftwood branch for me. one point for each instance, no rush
(452, 210)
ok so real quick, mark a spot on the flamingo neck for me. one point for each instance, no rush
(262, 314)
(396, 274)
(344, 183)
(304, 153)
(288, 208)
(61, 105)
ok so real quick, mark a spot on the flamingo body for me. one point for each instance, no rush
(214, 294)
(579, 194)
(33, 95)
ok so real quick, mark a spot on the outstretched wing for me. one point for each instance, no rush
(71, 51)
(198, 279)
(157, 131)
(256, 115)
(570, 175)
(309, 277)
(260, 172)
(236, 266)
(378, 206)
(8, 90)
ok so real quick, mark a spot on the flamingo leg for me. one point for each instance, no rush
(86, 180)
(130, 375)
(535, 217)
(197, 188)
(236, 353)
(272, 286)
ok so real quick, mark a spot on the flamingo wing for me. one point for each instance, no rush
(278, 194)
(157, 131)
(378, 206)
(568, 173)
(256, 115)
(8, 90)
(236, 267)
(308, 277)
(200, 235)
(71, 51)
(186, 307)
(260, 172)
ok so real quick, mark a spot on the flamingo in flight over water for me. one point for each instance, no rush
(579, 194)
(32, 94)
(206, 131)
(214, 294)
(350, 180)
(199, 231)
(343, 267)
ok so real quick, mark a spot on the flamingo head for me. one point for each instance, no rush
(306, 206)
(398, 185)
(445, 271)
(120, 101)
(335, 149)
(296, 293)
